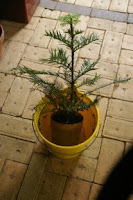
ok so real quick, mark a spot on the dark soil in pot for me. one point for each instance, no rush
(67, 118)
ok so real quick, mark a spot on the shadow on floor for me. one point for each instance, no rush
(119, 184)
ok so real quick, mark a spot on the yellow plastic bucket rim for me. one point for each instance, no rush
(36, 116)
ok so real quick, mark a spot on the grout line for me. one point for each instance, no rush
(88, 11)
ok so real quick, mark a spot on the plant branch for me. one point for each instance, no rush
(83, 41)
(86, 67)
(58, 56)
(26, 70)
(83, 105)
(105, 85)
(88, 81)
(58, 36)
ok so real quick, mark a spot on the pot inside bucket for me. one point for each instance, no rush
(42, 122)
(66, 134)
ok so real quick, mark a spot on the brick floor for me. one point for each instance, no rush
(76, 189)
(94, 191)
(27, 170)
(80, 167)
(33, 177)
(10, 179)
(111, 150)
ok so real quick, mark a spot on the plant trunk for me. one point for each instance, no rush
(72, 70)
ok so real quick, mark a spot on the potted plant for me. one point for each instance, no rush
(1, 38)
(66, 118)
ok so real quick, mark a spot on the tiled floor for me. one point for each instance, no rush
(113, 5)
(27, 170)
(112, 10)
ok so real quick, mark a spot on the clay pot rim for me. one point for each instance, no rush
(1, 32)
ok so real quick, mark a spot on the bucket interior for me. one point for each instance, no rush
(90, 119)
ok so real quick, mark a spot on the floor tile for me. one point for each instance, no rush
(40, 147)
(93, 150)
(32, 23)
(73, 8)
(5, 84)
(68, 1)
(39, 38)
(16, 127)
(32, 102)
(130, 6)
(90, 51)
(12, 56)
(6, 81)
(22, 35)
(103, 105)
(38, 12)
(10, 179)
(4, 47)
(51, 14)
(33, 177)
(51, 187)
(48, 4)
(128, 146)
(119, 27)
(80, 167)
(111, 46)
(118, 129)
(17, 97)
(2, 162)
(35, 54)
(101, 24)
(118, 5)
(20, 151)
(84, 2)
(76, 189)
(120, 109)
(128, 42)
(130, 29)
(10, 31)
(109, 15)
(102, 4)
(124, 90)
(98, 33)
(130, 18)
(94, 191)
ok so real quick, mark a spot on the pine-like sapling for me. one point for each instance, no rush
(66, 103)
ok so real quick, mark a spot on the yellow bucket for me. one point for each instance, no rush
(89, 130)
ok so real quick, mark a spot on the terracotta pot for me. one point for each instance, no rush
(1, 38)
(66, 134)
(18, 10)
